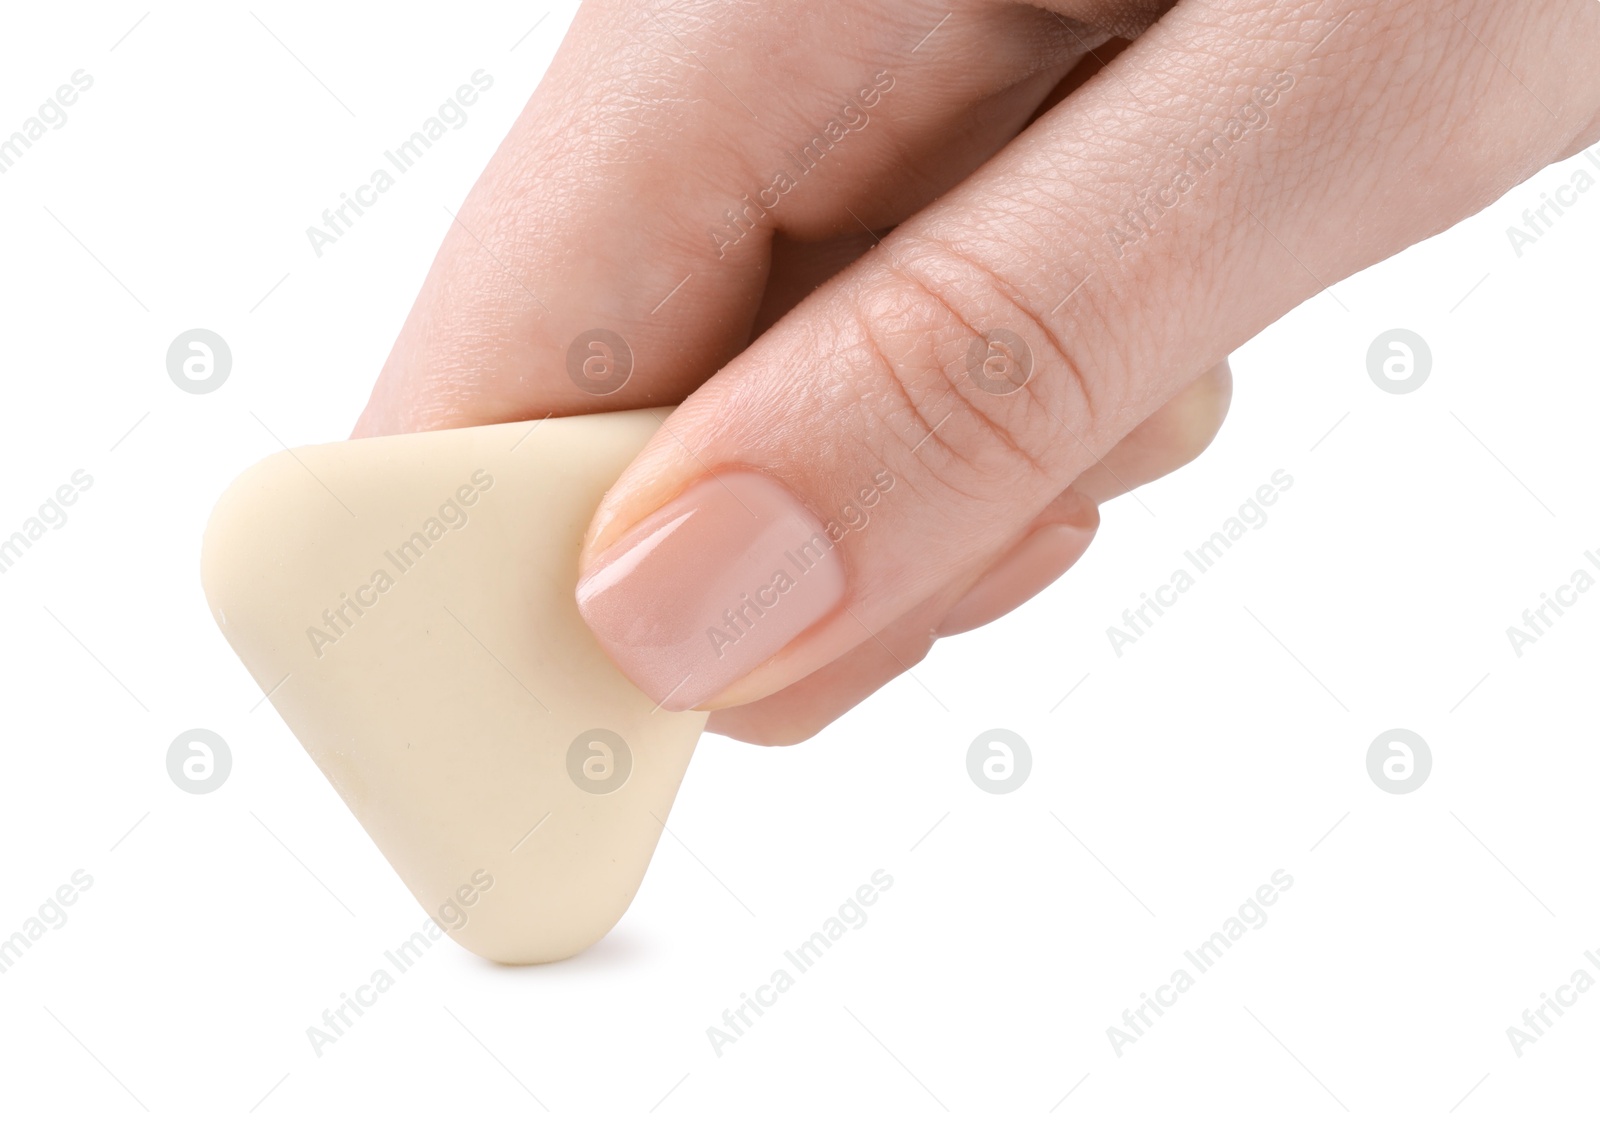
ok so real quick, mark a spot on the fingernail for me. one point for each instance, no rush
(1032, 565)
(710, 585)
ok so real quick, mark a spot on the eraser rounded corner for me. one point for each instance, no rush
(407, 605)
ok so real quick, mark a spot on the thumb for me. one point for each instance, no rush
(905, 422)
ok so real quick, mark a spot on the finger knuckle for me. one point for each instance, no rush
(967, 373)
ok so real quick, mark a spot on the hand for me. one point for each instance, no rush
(933, 283)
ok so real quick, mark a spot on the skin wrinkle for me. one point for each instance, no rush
(894, 388)
(1063, 355)
(941, 308)
(1220, 103)
(1399, 125)
(799, 711)
(1064, 441)
(631, 109)
(918, 485)
(1043, 188)
(879, 409)
(932, 309)
(746, 244)
(927, 421)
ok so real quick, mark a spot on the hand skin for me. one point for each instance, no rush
(1018, 169)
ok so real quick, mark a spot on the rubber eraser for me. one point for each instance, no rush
(406, 603)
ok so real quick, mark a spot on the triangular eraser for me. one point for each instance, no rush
(407, 605)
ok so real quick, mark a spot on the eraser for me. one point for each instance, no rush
(407, 604)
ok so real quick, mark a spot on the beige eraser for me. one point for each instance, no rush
(407, 605)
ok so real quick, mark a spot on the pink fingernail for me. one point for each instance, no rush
(710, 585)
(1033, 564)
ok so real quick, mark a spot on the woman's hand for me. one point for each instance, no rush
(932, 283)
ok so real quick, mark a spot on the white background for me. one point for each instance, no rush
(1229, 743)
